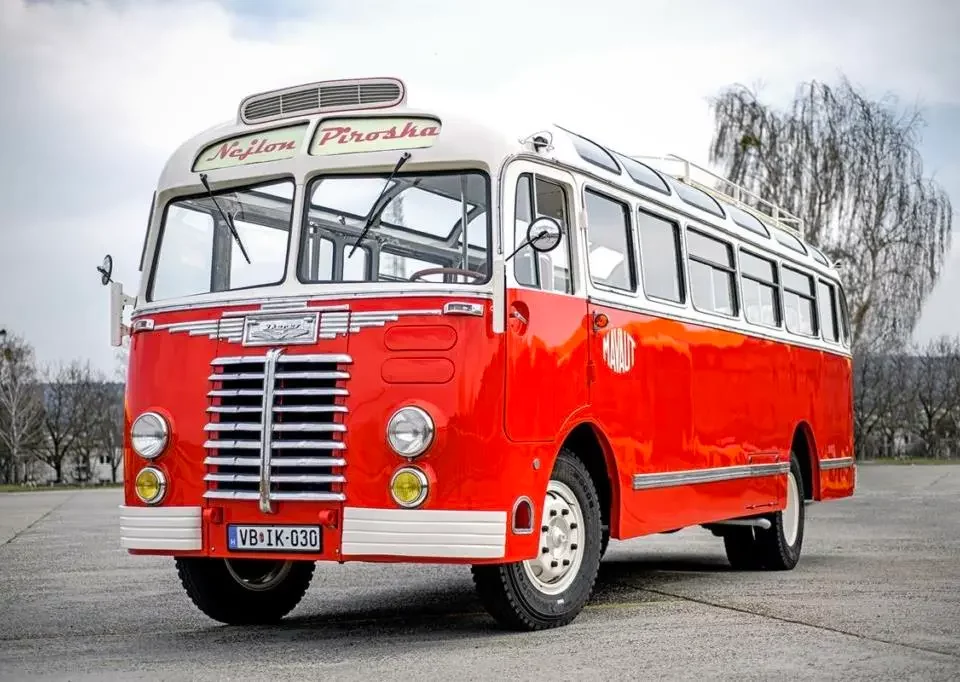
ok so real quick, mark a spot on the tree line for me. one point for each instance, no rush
(59, 422)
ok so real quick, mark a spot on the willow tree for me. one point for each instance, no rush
(850, 168)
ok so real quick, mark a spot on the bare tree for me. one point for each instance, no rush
(101, 434)
(882, 402)
(69, 407)
(936, 396)
(849, 167)
(21, 410)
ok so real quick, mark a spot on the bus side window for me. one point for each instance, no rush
(536, 197)
(713, 285)
(827, 300)
(761, 292)
(799, 302)
(610, 243)
(845, 318)
(660, 263)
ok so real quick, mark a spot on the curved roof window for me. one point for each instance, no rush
(593, 153)
(643, 174)
(698, 198)
(747, 221)
(789, 241)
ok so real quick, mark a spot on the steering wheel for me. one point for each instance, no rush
(447, 271)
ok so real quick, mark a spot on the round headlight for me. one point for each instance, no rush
(148, 435)
(410, 431)
(151, 485)
(409, 487)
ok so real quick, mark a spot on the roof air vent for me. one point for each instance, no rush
(322, 97)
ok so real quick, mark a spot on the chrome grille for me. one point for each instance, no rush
(322, 97)
(275, 428)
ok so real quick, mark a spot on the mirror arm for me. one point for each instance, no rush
(118, 303)
(525, 242)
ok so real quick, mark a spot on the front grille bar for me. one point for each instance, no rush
(266, 436)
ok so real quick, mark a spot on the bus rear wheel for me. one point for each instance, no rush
(245, 591)
(551, 589)
(776, 548)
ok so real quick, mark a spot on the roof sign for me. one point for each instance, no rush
(265, 145)
(351, 135)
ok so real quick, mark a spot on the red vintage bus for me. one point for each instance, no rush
(367, 332)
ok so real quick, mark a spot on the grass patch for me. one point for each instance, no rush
(12, 488)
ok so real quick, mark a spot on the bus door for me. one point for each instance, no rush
(640, 368)
(546, 334)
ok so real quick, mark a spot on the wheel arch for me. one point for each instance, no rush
(591, 446)
(803, 444)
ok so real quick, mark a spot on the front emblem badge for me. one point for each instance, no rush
(266, 330)
(618, 350)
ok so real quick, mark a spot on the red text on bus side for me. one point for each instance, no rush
(234, 150)
(346, 134)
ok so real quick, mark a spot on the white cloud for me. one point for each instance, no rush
(103, 92)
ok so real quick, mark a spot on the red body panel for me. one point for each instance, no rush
(694, 398)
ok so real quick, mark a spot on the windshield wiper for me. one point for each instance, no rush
(228, 219)
(368, 223)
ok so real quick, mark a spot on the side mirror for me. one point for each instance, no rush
(106, 270)
(543, 235)
(119, 301)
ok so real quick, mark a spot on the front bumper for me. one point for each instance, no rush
(161, 528)
(401, 534)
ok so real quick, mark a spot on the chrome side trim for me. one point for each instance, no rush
(712, 475)
(837, 463)
(234, 325)
(266, 434)
(167, 528)
(277, 302)
(429, 533)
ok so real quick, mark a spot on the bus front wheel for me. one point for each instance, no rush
(551, 589)
(245, 591)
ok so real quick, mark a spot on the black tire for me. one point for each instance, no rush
(754, 548)
(741, 547)
(510, 593)
(776, 549)
(217, 588)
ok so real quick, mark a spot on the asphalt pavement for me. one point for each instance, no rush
(876, 596)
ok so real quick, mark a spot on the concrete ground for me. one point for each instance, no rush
(876, 596)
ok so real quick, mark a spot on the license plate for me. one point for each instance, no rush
(257, 538)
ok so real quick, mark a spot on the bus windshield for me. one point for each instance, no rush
(416, 231)
(198, 253)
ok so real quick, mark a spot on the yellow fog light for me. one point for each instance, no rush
(409, 487)
(151, 485)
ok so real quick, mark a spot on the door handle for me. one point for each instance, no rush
(520, 316)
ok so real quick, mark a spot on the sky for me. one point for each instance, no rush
(97, 94)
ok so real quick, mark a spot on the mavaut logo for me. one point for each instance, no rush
(618, 350)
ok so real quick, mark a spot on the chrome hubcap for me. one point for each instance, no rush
(258, 575)
(791, 513)
(561, 542)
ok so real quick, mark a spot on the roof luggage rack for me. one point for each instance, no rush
(726, 191)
